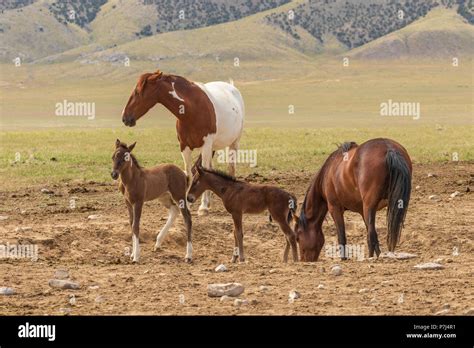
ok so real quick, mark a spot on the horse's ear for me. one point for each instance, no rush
(130, 148)
(117, 143)
(296, 218)
(141, 83)
(155, 76)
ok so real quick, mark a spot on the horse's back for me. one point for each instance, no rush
(229, 108)
(371, 170)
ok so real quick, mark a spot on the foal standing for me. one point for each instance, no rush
(240, 197)
(166, 182)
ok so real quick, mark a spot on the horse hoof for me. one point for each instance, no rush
(188, 260)
(203, 211)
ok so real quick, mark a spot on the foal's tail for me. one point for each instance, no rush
(293, 204)
(399, 189)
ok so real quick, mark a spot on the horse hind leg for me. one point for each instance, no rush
(173, 212)
(290, 238)
(372, 239)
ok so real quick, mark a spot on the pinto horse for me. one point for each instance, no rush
(362, 179)
(209, 116)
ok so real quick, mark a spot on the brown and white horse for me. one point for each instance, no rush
(209, 116)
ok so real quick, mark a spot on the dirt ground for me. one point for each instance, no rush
(94, 253)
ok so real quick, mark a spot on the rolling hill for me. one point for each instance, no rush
(442, 33)
(43, 31)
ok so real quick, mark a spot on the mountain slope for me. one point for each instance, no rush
(33, 31)
(442, 33)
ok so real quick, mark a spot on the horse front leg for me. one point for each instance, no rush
(206, 153)
(186, 153)
(231, 165)
(337, 214)
(239, 238)
(137, 212)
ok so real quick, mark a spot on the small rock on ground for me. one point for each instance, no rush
(7, 291)
(221, 268)
(398, 256)
(229, 289)
(429, 266)
(61, 274)
(239, 302)
(63, 284)
(336, 270)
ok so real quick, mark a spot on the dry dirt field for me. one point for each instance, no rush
(94, 253)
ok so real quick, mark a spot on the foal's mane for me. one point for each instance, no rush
(134, 159)
(345, 147)
(221, 174)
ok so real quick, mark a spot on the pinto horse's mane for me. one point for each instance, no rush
(345, 147)
(221, 174)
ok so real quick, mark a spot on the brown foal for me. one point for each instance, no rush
(240, 197)
(166, 182)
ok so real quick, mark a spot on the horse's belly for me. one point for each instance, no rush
(229, 108)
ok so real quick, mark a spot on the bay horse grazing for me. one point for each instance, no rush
(362, 179)
(165, 182)
(241, 198)
(209, 116)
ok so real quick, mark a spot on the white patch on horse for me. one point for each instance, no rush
(189, 251)
(136, 248)
(174, 94)
(236, 251)
(174, 211)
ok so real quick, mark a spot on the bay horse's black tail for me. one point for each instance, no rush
(399, 190)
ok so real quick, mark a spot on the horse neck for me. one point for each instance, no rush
(130, 173)
(168, 100)
(215, 183)
(316, 207)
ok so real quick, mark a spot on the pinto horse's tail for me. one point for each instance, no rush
(399, 190)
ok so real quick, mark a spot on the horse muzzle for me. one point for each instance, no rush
(129, 121)
(191, 198)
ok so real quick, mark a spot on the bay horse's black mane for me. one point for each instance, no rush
(221, 174)
(345, 147)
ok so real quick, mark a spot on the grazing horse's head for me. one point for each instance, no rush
(310, 239)
(199, 184)
(121, 157)
(144, 96)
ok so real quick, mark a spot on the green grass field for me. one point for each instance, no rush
(332, 104)
(83, 155)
